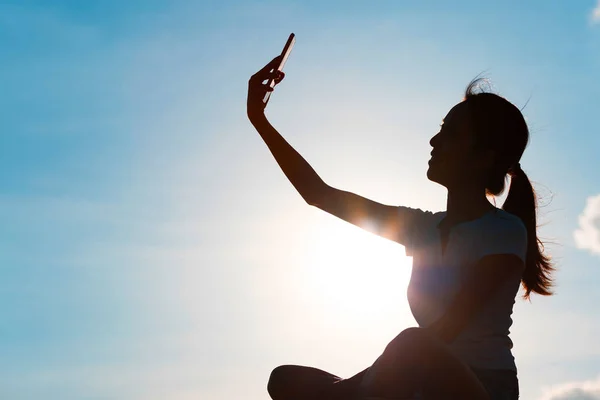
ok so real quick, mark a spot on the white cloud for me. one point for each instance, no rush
(587, 236)
(595, 16)
(585, 390)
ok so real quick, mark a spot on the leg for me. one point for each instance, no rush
(415, 360)
(294, 382)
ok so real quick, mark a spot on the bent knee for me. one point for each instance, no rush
(278, 381)
(410, 338)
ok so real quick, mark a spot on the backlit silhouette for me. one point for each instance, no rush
(468, 261)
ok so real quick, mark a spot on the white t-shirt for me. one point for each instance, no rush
(437, 276)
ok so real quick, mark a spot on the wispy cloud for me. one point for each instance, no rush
(587, 236)
(582, 390)
(595, 15)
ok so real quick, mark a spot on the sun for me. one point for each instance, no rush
(354, 273)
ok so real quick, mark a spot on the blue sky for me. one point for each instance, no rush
(151, 249)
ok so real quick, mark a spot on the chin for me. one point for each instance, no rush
(435, 176)
(431, 174)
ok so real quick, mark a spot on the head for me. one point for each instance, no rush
(480, 143)
(480, 139)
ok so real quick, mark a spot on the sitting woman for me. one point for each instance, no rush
(468, 261)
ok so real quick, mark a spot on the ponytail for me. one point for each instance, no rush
(521, 201)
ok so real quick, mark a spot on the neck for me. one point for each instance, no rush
(466, 204)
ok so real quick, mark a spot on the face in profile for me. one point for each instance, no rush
(454, 161)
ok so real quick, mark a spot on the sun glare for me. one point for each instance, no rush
(357, 275)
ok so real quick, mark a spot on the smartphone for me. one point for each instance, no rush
(285, 53)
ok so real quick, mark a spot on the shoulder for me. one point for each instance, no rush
(505, 223)
(418, 216)
(417, 226)
(503, 233)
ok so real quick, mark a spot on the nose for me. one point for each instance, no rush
(434, 140)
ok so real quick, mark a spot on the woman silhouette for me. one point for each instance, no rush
(468, 261)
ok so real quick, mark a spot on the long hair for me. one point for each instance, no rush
(499, 126)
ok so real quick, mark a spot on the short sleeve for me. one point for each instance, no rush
(505, 236)
(414, 224)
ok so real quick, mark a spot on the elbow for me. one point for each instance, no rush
(314, 197)
(315, 194)
(311, 199)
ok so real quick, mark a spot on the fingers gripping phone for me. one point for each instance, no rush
(285, 53)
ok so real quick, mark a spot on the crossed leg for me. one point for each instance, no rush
(414, 360)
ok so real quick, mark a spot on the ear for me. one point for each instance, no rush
(486, 159)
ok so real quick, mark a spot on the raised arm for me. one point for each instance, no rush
(378, 218)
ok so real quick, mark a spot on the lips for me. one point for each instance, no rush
(434, 159)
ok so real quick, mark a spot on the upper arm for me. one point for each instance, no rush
(491, 272)
(387, 221)
(501, 252)
(500, 255)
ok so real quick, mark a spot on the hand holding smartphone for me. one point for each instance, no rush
(287, 49)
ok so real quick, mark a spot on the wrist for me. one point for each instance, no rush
(257, 118)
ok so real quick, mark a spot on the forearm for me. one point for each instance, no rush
(299, 172)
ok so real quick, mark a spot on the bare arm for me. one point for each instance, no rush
(375, 217)
(299, 172)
